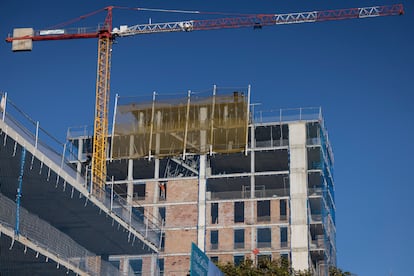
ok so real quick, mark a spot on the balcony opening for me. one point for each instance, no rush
(272, 185)
(139, 191)
(227, 187)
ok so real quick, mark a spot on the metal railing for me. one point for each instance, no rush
(52, 240)
(287, 115)
(266, 193)
(58, 153)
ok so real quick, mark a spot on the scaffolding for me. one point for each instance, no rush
(196, 124)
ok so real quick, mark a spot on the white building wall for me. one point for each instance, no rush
(299, 230)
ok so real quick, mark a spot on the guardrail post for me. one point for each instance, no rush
(112, 192)
(37, 134)
(3, 105)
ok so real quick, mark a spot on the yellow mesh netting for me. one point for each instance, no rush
(195, 124)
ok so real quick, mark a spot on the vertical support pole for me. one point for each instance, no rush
(130, 177)
(63, 156)
(203, 130)
(113, 127)
(152, 125)
(252, 188)
(112, 192)
(202, 187)
(37, 134)
(155, 212)
(130, 174)
(213, 106)
(187, 118)
(19, 191)
(3, 105)
(79, 157)
(247, 119)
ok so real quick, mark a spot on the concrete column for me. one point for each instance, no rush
(203, 131)
(252, 189)
(154, 270)
(130, 177)
(202, 187)
(157, 164)
(299, 229)
(125, 266)
(202, 184)
(158, 119)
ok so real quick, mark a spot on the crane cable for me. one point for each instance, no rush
(82, 17)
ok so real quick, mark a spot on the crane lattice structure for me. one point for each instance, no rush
(22, 41)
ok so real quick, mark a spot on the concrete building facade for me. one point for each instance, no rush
(275, 199)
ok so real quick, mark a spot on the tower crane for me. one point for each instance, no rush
(22, 41)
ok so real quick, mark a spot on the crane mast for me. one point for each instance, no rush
(103, 77)
(22, 41)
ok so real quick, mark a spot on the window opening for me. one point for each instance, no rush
(214, 213)
(239, 211)
(238, 238)
(263, 210)
(214, 239)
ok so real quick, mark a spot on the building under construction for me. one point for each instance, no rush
(239, 184)
(201, 168)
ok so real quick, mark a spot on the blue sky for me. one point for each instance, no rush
(360, 71)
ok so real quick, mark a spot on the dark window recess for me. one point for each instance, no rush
(238, 259)
(139, 191)
(115, 263)
(214, 213)
(214, 239)
(162, 241)
(283, 209)
(239, 211)
(285, 256)
(136, 266)
(283, 237)
(163, 190)
(238, 238)
(161, 211)
(264, 237)
(139, 213)
(120, 190)
(263, 210)
(214, 259)
(262, 260)
(161, 266)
